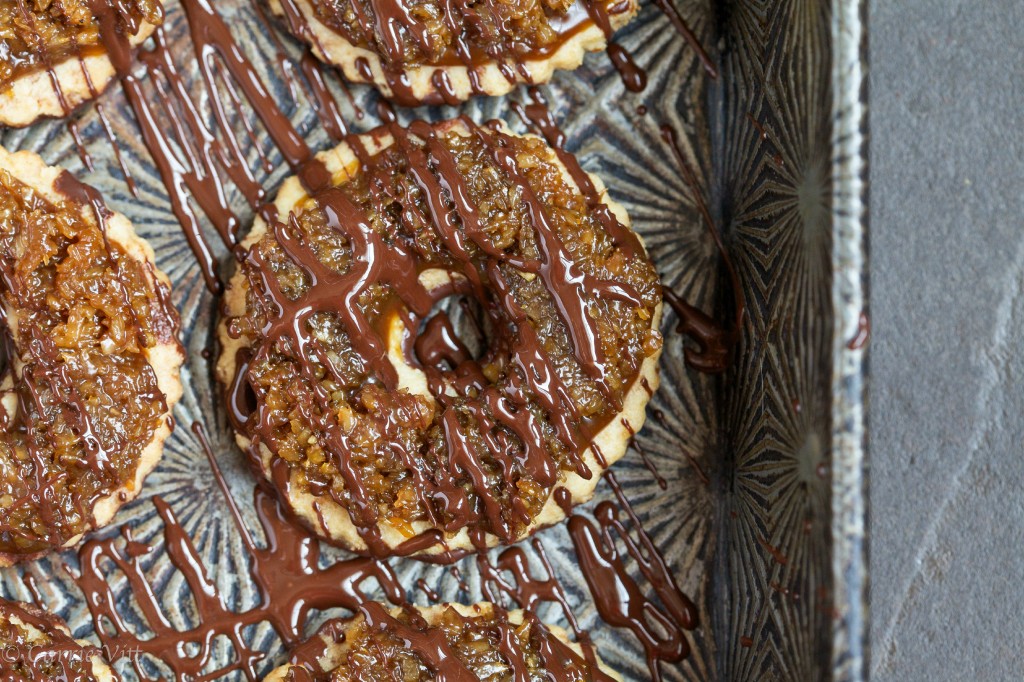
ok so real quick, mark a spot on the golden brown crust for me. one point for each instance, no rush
(165, 358)
(335, 652)
(331, 47)
(322, 513)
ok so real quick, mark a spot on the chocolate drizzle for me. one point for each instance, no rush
(286, 572)
(291, 583)
(452, 643)
(659, 625)
(648, 462)
(171, 119)
(715, 344)
(49, 38)
(510, 577)
(633, 77)
(669, 9)
(659, 621)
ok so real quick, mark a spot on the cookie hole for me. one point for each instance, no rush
(456, 330)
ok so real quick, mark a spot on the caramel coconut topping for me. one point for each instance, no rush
(85, 319)
(447, 643)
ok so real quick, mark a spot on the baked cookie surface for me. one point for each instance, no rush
(55, 55)
(382, 426)
(432, 52)
(91, 359)
(449, 641)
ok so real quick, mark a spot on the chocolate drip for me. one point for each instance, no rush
(83, 153)
(429, 645)
(510, 577)
(663, 421)
(537, 115)
(619, 598)
(290, 584)
(312, 81)
(197, 175)
(32, 585)
(633, 77)
(403, 637)
(108, 15)
(648, 462)
(715, 343)
(668, 8)
(112, 138)
(659, 625)
(115, 23)
(863, 335)
(428, 591)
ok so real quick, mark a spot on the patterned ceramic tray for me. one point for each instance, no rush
(761, 508)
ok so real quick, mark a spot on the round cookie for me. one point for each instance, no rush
(437, 53)
(91, 359)
(38, 645)
(402, 441)
(454, 640)
(56, 52)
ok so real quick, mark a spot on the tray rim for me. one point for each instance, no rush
(850, 296)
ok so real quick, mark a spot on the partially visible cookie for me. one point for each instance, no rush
(450, 641)
(38, 646)
(55, 55)
(434, 52)
(90, 359)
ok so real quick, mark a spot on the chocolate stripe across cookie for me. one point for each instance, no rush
(382, 425)
(446, 642)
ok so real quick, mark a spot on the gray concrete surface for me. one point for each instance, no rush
(947, 399)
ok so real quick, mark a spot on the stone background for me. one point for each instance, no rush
(947, 397)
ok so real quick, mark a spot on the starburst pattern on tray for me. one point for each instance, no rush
(777, 168)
